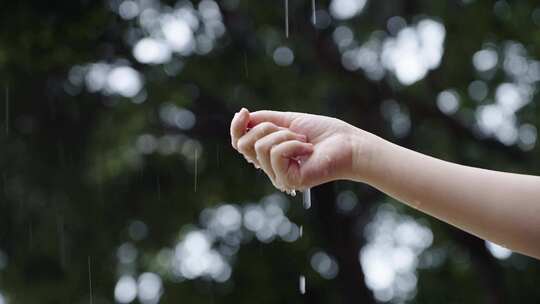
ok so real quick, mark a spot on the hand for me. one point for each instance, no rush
(297, 150)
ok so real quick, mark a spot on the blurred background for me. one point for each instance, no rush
(119, 185)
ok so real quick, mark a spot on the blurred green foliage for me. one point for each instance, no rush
(74, 177)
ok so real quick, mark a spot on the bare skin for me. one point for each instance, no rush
(299, 150)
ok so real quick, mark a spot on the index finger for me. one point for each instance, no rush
(238, 126)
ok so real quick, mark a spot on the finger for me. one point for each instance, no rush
(238, 126)
(286, 167)
(264, 145)
(282, 119)
(246, 143)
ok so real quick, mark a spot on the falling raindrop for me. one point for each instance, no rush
(90, 280)
(246, 65)
(313, 13)
(7, 110)
(61, 153)
(287, 18)
(302, 284)
(217, 154)
(30, 235)
(4, 176)
(62, 239)
(301, 233)
(196, 158)
(158, 188)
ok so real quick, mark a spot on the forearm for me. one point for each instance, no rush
(501, 207)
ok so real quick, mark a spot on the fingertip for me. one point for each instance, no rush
(238, 126)
(308, 148)
(244, 114)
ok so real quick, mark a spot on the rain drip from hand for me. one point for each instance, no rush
(306, 202)
(306, 198)
(306, 194)
(302, 284)
(287, 18)
(313, 13)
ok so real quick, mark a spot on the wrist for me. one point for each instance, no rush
(366, 148)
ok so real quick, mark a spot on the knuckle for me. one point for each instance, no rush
(243, 146)
(289, 135)
(282, 134)
(260, 147)
(274, 152)
(266, 127)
